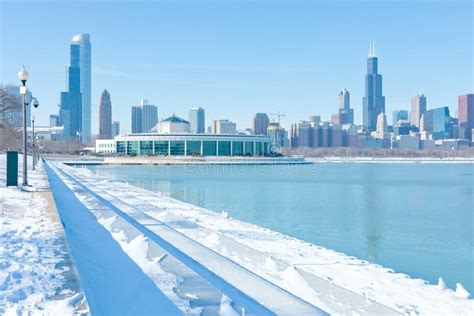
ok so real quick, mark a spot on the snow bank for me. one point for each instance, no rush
(32, 249)
(333, 281)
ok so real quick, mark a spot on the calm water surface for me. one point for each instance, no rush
(414, 218)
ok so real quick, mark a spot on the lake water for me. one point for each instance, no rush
(414, 218)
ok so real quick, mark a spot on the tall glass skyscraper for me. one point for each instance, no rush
(374, 101)
(70, 113)
(197, 120)
(82, 41)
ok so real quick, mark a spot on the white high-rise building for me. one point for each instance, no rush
(418, 107)
(83, 41)
(224, 127)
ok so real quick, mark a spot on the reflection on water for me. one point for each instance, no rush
(415, 218)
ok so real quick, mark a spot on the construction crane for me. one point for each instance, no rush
(279, 115)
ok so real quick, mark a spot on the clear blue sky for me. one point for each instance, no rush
(236, 58)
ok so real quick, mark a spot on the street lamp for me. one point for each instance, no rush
(23, 76)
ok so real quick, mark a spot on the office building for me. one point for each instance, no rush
(82, 41)
(436, 122)
(418, 107)
(315, 120)
(105, 115)
(260, 124)
(197, 120)
(345, 114)
(400, 115)
(149, 116)
(70, 113)
(115, 128)
(374, 101)
(136, 119)
(53, 120)
(224, 127)
(278, 134)
(466, 116)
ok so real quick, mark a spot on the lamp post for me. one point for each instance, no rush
(33, 140)
(23, 76)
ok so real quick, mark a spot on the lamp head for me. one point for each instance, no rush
(35, 103)
(23, 75)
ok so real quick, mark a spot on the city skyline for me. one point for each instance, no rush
(284, 83)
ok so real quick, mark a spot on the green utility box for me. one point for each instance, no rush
(12, 168)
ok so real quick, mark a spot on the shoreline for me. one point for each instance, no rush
(291, 160)
(464, 160)
(332, 280)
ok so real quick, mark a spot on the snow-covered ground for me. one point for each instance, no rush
(35, 271)
(331, 281)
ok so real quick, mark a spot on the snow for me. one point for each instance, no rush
(335, 282)
(204, 272)
(33, 276)
(461, 291)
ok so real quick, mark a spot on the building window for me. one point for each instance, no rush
(177, 148)
(193, 148)
(133, 147)
(121, 148)
(224, 148)
(146, 147)
(258, 149)
(161, 148)
(209, 148)
(237, 148)
(248, 151)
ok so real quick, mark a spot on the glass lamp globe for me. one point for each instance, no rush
(23, 74)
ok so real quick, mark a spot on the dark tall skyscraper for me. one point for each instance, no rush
(260, 124)
(374, 101)
(136, 119)
(466, 115)
(105, 116)
(70, 112)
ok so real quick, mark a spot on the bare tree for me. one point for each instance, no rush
(10, 136)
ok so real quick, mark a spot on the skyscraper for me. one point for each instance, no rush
(436, 122)
(82, 41)
(345, 114)
(260, 124)
(53, 120)
(115, 128)
(149, 116)
(374, 101)
(136, 119)
(399, 115)
(418, 107)
(70, 113)
(224, 127)
(466, 115)
(197, 120)
(105, 116)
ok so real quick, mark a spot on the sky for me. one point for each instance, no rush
(236, 58)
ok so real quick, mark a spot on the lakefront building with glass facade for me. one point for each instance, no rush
(150, 144)
(173, 138)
